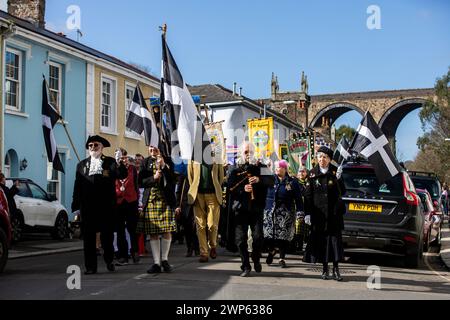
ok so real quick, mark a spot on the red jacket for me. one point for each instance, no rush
(131, 192)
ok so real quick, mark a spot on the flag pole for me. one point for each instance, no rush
(162, 110)
(64, 124)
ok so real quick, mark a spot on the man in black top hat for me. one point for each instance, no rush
(94, 196)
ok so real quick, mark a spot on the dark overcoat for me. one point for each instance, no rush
(323, 202)
(167, 184)
(95, 196)
(283, 201)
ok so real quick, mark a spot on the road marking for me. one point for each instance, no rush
(141, 276)
(427, 255)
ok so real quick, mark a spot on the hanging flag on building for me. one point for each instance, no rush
(260, 133)
(140, 119)
(188, 134)
(370, 142)
(49, 119)
(341, 153)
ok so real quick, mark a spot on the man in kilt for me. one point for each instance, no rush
(158, 217)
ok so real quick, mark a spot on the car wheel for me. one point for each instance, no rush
(61, 228)
(413, 260)
(3, 250)
(17, 224)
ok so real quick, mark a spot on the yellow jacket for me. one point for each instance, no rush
(194, 172)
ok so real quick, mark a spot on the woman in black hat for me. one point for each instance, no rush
(325, 209)
(94, 195)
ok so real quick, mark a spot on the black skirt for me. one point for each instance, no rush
(324, 247)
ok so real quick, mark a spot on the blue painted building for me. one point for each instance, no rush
(27, 56)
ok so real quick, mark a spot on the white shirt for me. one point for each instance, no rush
(324, 171)
(96, 166)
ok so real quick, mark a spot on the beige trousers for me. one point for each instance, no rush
(207, 215)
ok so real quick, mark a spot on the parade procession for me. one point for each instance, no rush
(123, 184)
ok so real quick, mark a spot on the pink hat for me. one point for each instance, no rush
(282, 164)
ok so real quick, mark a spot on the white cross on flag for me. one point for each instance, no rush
(370, 142)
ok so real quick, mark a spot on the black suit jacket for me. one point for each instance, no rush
(95, 196)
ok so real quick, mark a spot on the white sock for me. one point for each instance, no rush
(165, 248)
(156, 251)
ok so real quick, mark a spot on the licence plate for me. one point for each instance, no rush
(377, 208)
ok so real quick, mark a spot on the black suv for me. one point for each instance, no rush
(428, 181)
(383, 217)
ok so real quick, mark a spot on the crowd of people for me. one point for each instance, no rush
(249, 203)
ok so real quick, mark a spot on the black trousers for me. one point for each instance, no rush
(189, 228)
(127, 218)
(282, 245)
(244, 220)
(90, 247)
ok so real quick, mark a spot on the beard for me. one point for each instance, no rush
(95, 154)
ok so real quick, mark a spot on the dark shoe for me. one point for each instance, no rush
(122, 262)
(90, 272)
(189, 253)
(166, 266)
(258, 267)
(203, 259)
(136, 259)
(99, 252)
(154, 269)
(111, 267)
(282, 263)
(337, 274)
(325, 274)
(245, 273)
(269, 259)
(213, 253)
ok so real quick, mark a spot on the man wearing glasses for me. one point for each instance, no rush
(94, 196)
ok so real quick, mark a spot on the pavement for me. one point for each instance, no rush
(445, 244)
(34, 245)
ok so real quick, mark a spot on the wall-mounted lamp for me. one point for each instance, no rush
(23, 164)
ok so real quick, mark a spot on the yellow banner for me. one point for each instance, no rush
(260, 133)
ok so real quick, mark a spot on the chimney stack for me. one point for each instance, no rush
(234, 88)
(31, 10)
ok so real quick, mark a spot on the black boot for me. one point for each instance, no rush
(337, 274)
(325, 272)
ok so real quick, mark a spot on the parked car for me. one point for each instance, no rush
(433, 221)
(5, 231)
(38, 211)
(430, 182)
(384, 217)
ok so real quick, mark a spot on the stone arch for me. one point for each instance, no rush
(333, 112)
(394, 115)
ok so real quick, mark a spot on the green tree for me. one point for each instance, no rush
(435, 118)
(347, 130)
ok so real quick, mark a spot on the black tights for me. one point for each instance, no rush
(325, 265)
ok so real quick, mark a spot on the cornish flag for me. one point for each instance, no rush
(49, 118)
(373, 144)
(341, 154)
(140, 119)
(188, 133)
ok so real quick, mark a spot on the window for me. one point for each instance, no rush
(53, 181)
(129, 93)
(55, 85)
(37, 192)
(108, 107)
(13, 78)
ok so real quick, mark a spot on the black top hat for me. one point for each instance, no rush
(327, 151)
(102, 140)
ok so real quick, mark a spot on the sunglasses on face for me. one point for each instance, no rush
(93, 145)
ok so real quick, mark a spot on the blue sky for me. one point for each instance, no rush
(245, 41)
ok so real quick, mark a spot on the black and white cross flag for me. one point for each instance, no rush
(49, 118)
(140, 119)
(341, 154)
(373, 144)
(188, 133)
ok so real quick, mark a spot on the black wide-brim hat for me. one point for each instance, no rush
(327, 151)
(102, 140)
